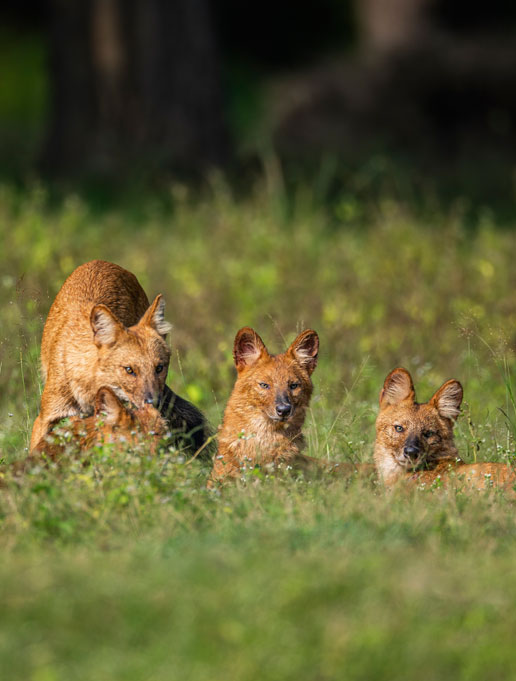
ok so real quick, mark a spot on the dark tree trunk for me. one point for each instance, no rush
(135, 82)
(388, 25)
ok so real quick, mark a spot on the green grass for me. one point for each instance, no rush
(130, 569)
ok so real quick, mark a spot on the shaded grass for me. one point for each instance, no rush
(279, 581)
(130, 569)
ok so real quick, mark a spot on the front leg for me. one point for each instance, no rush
(52, 410)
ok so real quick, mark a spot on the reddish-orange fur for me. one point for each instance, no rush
(253, 430)
(99, 325)
(425, 435)
(111, 422)
(423, 452)
(467, 476)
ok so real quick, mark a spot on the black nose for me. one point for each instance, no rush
(149, 399)
(283, 409)
(411, 452)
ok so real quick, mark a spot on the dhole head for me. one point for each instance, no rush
(132, 361)
(410, 435)
(279, 386)
(112, 417)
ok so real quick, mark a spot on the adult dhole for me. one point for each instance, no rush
(265, 413)
(414, 442)
(266, 410)
(101, 331)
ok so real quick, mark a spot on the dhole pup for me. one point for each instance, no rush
(111, 422)
(415, 442)
(101, 331)
(266, 410)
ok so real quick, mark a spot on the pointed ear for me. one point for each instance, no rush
(155, 317)
(108, 406)
(305, 349)
(106, 327)
(448, 398)
(248, 348)
(397, 387)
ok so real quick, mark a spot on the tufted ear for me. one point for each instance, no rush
(108, 406)
(106, 327)
(305, 349)
(448, 398)
(248, 348)
(155, 317)
(397, 387)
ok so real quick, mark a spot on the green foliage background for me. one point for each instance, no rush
(130, 569)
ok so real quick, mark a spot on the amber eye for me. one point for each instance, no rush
(428, 433)
(159, 368)
(399, 429)
(293, 386)
(130, 370)
(265, 386)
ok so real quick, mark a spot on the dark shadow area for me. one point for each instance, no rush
(113, 98)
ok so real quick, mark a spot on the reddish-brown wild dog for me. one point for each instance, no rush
(266, 410)
(414, 442)
(111, 423)
(100, 331)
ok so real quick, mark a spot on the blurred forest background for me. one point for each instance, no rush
(145, 90)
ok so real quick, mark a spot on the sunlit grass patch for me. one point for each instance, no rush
(125, 566)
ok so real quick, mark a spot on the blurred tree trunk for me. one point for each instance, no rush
(134, 82)
(389, 25)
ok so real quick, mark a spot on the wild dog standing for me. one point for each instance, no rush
(111, 422)
(414, 442)
(266, 410)
(101, 331)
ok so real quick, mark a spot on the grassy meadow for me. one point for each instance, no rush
(130, 569)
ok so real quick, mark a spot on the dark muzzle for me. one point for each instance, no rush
(412, 448)
(152, 398)
(283, 408)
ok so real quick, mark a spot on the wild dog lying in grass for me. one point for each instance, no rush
(265, 413)
(412, 436)
(414, 442)
(266, 410)
(111, 423)
(101, 331)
